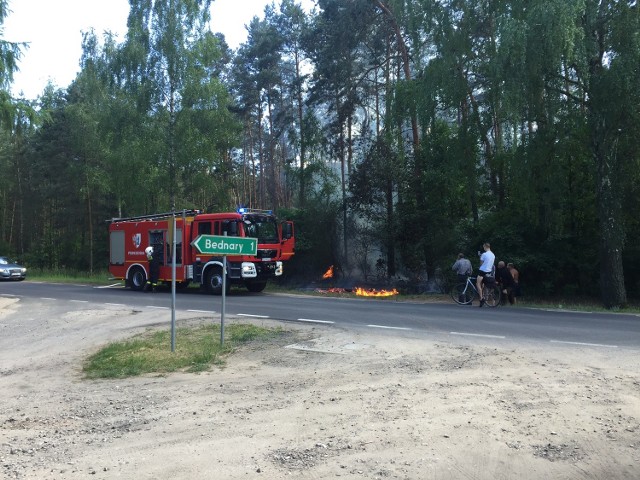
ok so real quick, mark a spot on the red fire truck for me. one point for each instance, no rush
(128, 237)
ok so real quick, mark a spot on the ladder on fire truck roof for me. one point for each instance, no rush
(155, 216)
(179, 213)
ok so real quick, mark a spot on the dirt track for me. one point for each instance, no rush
(321, 403)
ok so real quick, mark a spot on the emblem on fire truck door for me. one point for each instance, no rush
(137, 239)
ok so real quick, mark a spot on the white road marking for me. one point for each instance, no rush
(476, 335)
(202, 311)
(46, 298)
(585, 344)
(116, 304)
(388, 328)
(79, 301)
(314, 321)
(157, 308)
(110, 286)
(252, 316)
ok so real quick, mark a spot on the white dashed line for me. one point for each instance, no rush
(252, 316)
(79, 301)
(309, 320)
(202, 311)
(585, 344)
(110, 286)
(46, 298)
(116, 304)
(157, 308)
(476, 335)
(388, 328)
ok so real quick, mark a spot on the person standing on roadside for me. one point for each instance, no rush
(462, 267)
(516, 280)
(506, 283)
(154, 269)
(487, 259)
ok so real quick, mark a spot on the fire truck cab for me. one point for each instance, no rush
(128, 237)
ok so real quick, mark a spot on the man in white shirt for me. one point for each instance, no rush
(487, 260)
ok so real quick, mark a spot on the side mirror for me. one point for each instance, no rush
(287, 230)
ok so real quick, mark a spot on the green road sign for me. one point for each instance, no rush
(219, 245)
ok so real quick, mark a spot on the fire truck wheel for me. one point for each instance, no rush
(213, 281)
(137, 278)
(256, 287)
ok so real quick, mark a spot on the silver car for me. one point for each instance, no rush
(10, 270)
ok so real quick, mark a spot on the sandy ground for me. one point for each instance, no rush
(322, 403)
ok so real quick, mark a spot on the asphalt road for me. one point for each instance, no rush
(434, 320)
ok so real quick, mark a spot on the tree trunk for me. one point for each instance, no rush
(391, 244)
(303, 146)
(90, 223)
(404, 54)
(609, 192)
(343, 182)
(274, 180)
(261, 180)
(172, 143)
(612, 287)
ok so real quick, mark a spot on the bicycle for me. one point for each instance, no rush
(465, 293)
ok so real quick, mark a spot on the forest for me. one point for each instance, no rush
(395, 133)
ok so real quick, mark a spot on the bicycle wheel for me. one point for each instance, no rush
(462, 294)
(492, 295)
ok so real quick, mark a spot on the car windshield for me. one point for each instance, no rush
(262, 227)
(4, 261)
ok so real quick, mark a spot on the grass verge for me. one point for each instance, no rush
(197, 348)
(68, 276)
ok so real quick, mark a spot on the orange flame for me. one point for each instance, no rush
(375, 293)
(328, 273)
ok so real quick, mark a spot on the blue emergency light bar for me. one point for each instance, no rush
(243, 210)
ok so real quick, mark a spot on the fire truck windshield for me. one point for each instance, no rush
(262, 227)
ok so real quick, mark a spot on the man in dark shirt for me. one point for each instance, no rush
(462, 267)
(506, 283)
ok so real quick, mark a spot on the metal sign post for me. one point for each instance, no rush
(223, 245)
(224, 296)
(174, 241)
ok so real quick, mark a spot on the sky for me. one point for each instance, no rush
(54, 29)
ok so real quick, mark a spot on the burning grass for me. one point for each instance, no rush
(372, 292)
(360, 291)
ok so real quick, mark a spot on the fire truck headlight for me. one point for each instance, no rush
(279, 269)
(249, 270)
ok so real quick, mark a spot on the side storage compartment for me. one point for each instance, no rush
(116, 250)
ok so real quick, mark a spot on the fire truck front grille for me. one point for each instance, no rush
(266, 268)
(267, 253)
